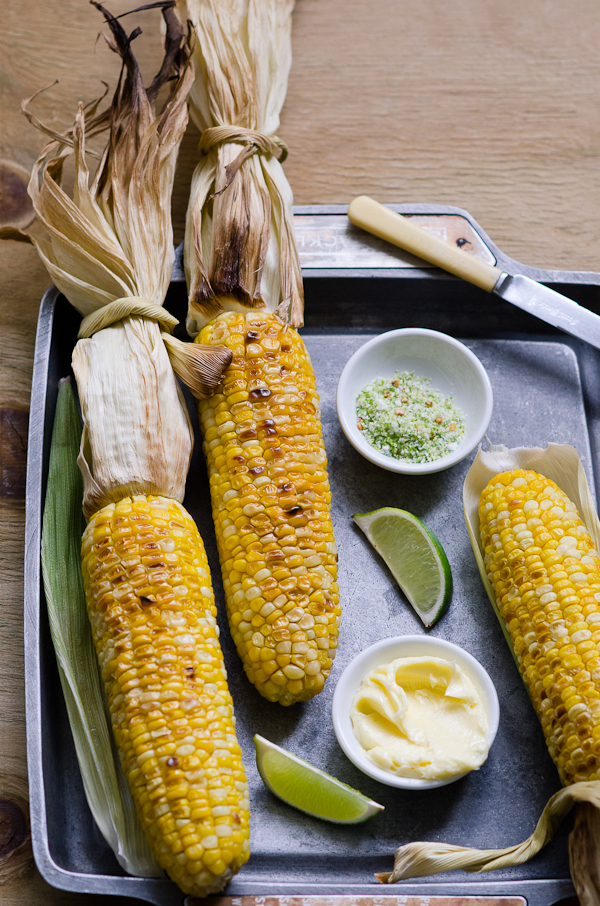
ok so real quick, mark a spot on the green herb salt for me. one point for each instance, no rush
(405, 418)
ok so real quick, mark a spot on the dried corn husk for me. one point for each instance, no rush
(416, 860)
(561, 463)
(240, 251)
(109, 249)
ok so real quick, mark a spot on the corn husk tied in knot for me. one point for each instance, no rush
(109, 249)
(240, 250)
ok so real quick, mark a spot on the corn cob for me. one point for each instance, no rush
(152, 610)
(148, 590)
(262, 435)
(270, 496)
(545, 573)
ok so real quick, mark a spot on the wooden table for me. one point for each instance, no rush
(489, 106)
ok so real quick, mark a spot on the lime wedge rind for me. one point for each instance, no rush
(414, 556)
(305, 787)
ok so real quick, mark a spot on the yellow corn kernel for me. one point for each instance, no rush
(278, 557)
(533, 540)
(151, 606)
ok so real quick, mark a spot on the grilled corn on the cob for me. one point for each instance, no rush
(109, 249)
(270, 496)
(546, 576)
(152, 610)
(262, 435)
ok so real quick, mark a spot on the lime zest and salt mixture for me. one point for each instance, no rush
(405, 418)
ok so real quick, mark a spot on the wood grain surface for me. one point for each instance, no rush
(490, 106)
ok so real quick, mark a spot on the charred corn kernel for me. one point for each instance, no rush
(154, 628)
(545, 572)
(278, 556)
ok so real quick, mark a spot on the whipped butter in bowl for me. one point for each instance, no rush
(415, 712)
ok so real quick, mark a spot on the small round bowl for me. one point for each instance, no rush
(454, 371)
(383, 653)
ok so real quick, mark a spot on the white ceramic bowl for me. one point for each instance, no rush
(383, 653)
(454, 371)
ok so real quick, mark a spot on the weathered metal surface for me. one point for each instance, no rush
(545, 389)
(332, 241)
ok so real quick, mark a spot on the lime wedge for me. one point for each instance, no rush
(415, 557)
(307, 788)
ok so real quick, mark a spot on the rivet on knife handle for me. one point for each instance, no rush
(369, 215)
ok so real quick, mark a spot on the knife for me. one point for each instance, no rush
(538, 300)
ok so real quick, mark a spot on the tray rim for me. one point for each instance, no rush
(509, 265)
(164, 892)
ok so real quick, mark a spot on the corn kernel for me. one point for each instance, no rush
(542, 572)
(161, 755)
(277, 439)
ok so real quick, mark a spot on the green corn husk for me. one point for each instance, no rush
(105, 786)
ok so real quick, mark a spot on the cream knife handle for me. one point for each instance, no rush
(369, 215)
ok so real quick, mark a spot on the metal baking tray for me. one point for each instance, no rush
(545, 389)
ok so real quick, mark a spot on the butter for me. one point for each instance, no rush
(421, 717)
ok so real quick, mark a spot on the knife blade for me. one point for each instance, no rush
(535, 298)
